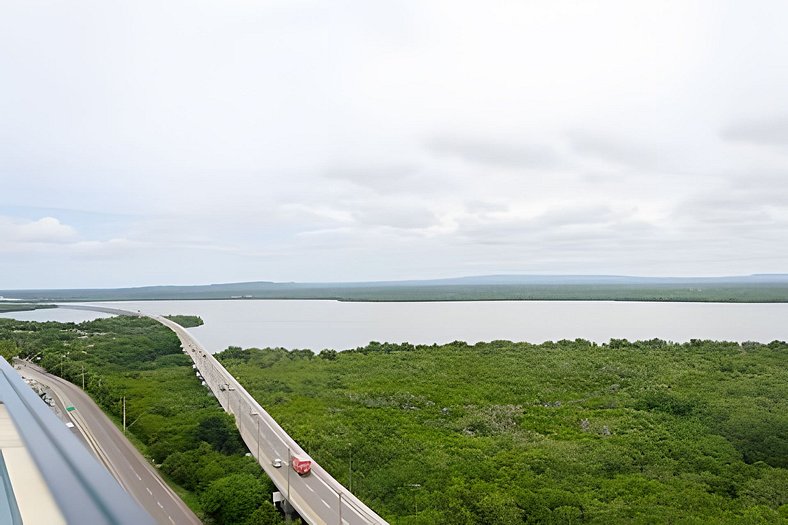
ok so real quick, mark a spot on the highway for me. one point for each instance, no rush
(124, 462)
(317, 497)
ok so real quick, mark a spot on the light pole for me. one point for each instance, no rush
(257, 436)
(350, 468)
(415, 499)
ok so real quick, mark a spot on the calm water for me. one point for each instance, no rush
(55, 314)
(330, 324)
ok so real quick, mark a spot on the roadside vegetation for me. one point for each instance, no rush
(171, 418)
(566, 432)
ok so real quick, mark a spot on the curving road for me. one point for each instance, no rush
(317, 497)
(124, 462)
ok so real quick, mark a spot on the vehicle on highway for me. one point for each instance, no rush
(302, 466)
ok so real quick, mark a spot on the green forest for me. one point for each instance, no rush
(560, 432)
(186, 321)
(174, 421)
(492, 433)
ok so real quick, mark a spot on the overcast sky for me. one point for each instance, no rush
(189, 141)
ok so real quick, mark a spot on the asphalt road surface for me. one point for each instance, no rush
(122, 459)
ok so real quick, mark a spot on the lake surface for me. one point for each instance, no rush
(60, 315)
(331, 324)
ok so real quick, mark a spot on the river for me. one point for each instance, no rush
(331, 324)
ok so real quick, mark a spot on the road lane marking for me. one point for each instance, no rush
(172, 520)
(160, 505)
(149, 491)
(135, 473)
(310, 488)
(324, 503)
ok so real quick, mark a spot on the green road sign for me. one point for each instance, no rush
(70, 409)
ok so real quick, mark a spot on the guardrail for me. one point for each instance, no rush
(317, 497)
(84, 491)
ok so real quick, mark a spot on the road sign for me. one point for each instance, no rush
(70, 409)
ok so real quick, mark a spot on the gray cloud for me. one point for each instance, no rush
(396, 217)
(772, 131)
(724, 212)
(499, 154)
(381, 179)
(619, 151)
(561, 225)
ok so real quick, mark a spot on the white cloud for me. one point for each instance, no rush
(46, 230)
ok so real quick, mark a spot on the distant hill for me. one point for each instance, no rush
(749, 288)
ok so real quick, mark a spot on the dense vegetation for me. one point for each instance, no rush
(173, 419)
(500, 432)
(566, 432)
(186, 321)
(22, 307)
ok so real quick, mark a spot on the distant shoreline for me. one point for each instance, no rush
(746, 289)
(46, 302)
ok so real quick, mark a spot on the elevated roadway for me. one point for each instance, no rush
(317, 497)
(110, 446)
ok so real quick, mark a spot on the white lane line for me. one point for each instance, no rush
(160, 505)
(135, 473)
(324, 503)
(310, 488)
(172, 520)
(149, 491)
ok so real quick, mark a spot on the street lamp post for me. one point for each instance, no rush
(289, 465)
(415, 499)
(350, 468)
(257, 436)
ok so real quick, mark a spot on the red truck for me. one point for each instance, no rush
(302, 466)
